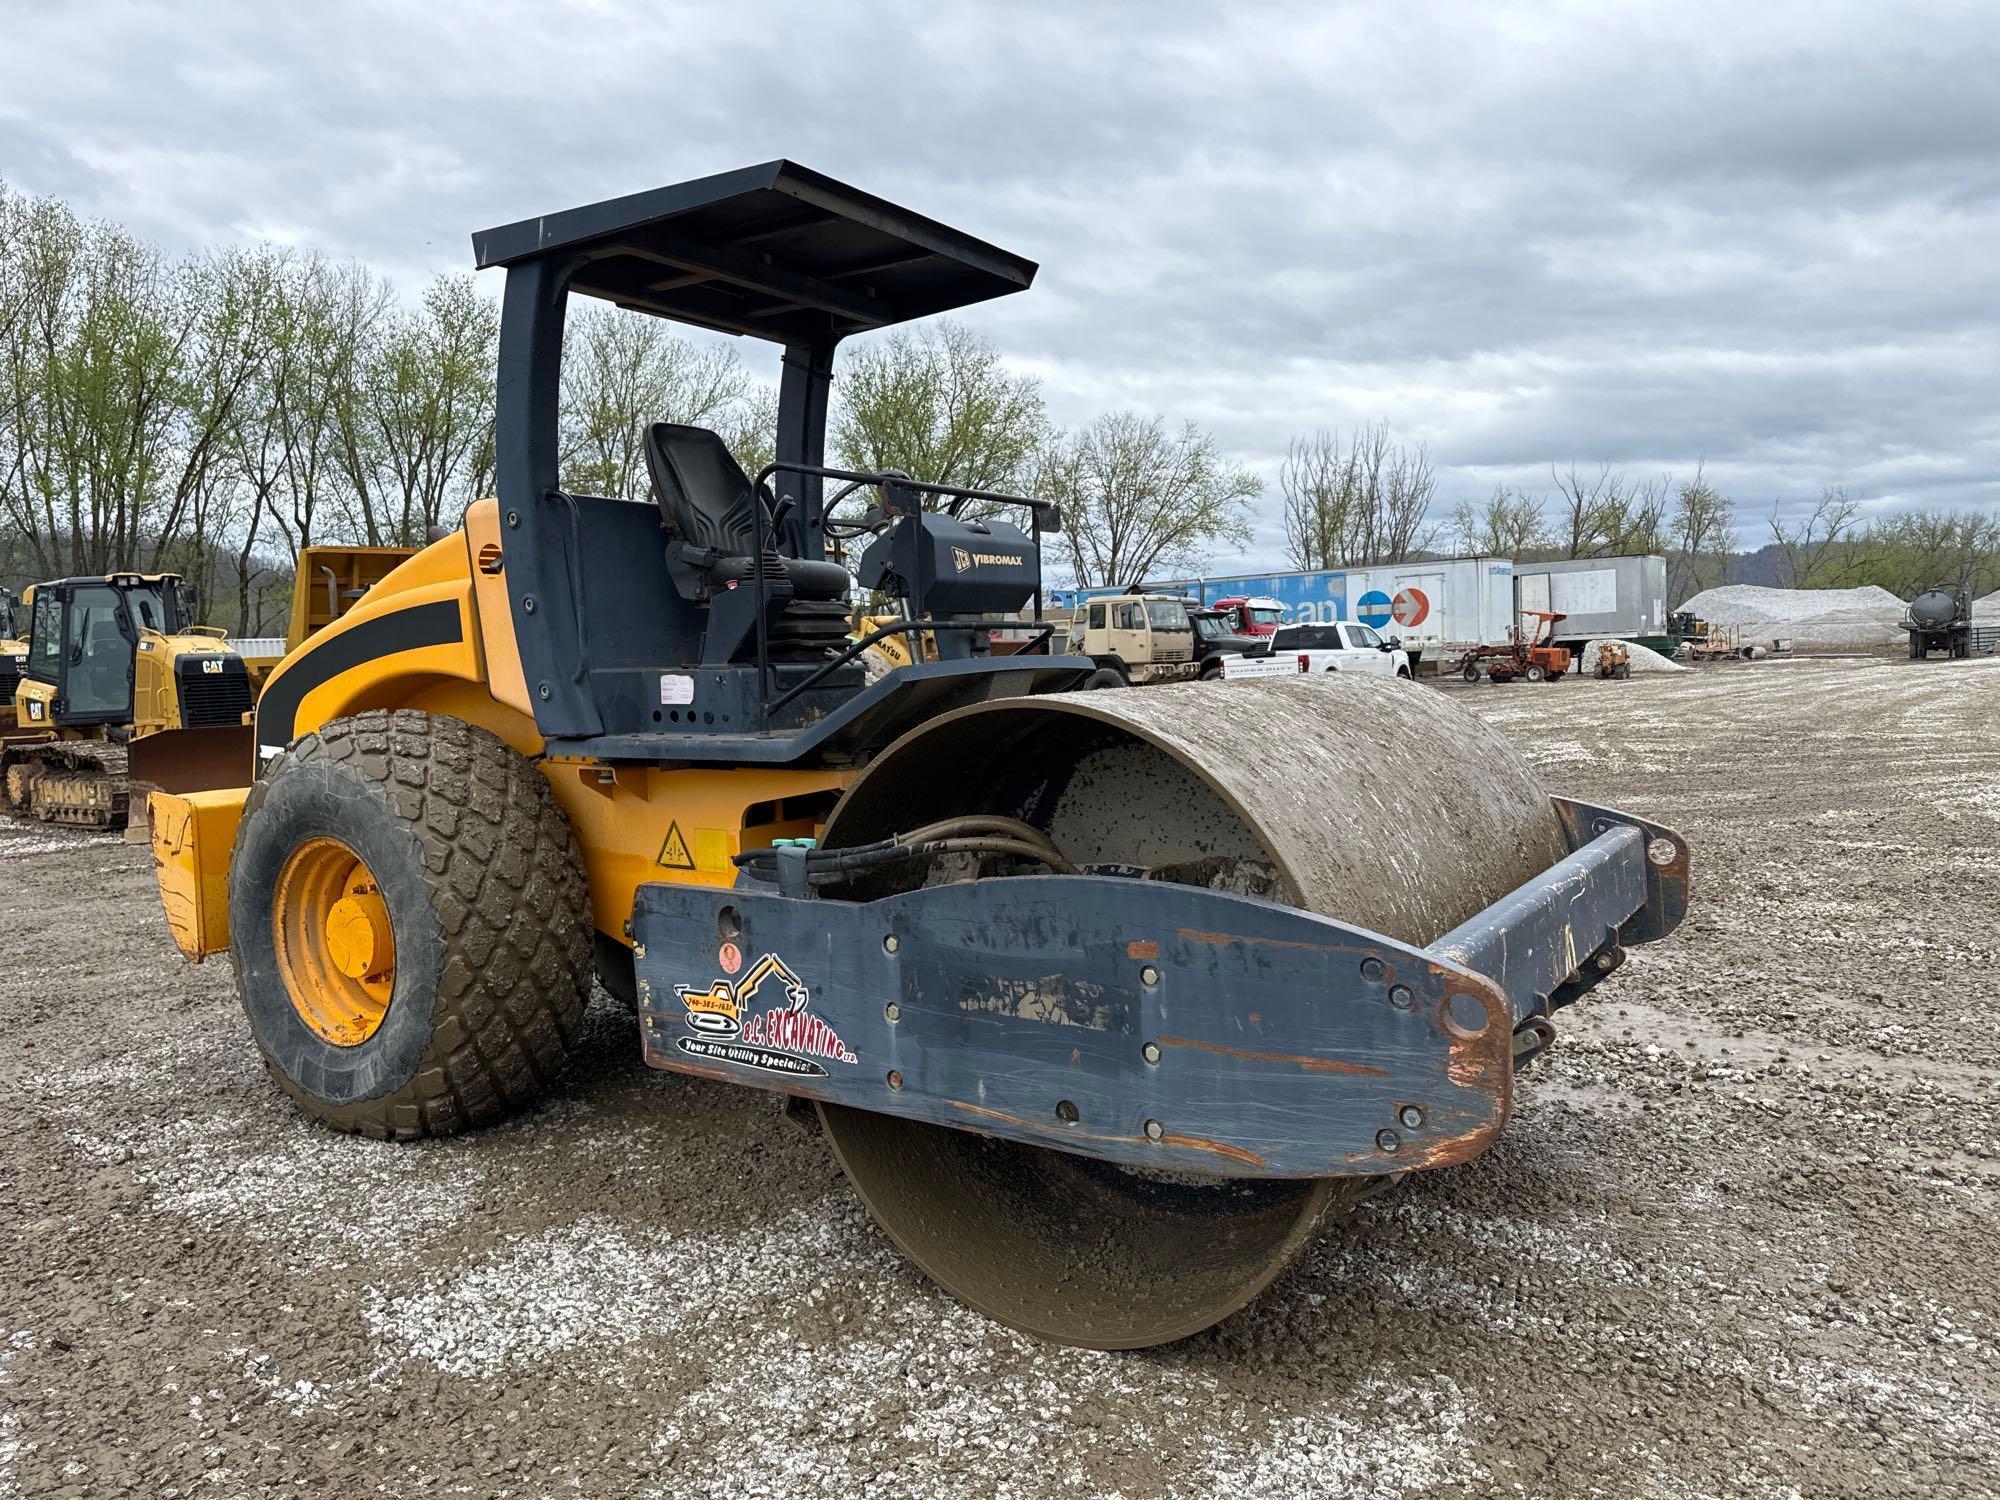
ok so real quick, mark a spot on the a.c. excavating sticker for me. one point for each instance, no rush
(787, 1038)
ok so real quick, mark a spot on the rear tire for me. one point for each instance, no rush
(476, 868)
(1103, 677)
(1471, 673)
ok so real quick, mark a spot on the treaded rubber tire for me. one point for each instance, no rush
(488, 904)
(1103, 677)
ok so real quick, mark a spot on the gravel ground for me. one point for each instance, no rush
(1738, 1241)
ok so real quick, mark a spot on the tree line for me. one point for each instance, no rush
(213, 412)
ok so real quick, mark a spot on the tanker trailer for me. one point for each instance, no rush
(1939, 620)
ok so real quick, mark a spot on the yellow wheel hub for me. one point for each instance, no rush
(336, 949)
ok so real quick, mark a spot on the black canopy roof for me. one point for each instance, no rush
(774, 251)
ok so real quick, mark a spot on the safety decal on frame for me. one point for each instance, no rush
(724, 1026)
(674, 852)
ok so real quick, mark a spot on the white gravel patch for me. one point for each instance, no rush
(15, 845)
(1415, 1439)
(1644, 658)
(10, 1449)
(1864, 616)
(594, 1285)
(1750, 604)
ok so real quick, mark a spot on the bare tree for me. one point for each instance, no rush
(1816, 552)
(429, 391)
(1320, 483)
(1510, 524)
(1138, 501)
(1704, 537)
(622, 372)
(1366, 503)
(328, 448)
(1408, 485)
(751, 427)
(1588, 509)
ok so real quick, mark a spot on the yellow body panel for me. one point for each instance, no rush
(192, 837)
(19, 651)
(634, 824)
(506, 680)
(638, 825)
(34, 705)
(329, 581)
(156, 699)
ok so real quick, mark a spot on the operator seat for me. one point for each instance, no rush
(707, 510)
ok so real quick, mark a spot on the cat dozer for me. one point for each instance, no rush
(1104, 1008)
(113, 671)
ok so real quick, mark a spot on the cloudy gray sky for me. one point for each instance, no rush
(1761, 234)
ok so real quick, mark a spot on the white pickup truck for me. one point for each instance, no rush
(1340, 648)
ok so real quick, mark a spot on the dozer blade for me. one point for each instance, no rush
(205, 759)
(1301, 923)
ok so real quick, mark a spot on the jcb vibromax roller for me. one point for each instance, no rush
(1102, 1008)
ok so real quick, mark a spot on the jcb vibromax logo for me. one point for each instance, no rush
(962, 561)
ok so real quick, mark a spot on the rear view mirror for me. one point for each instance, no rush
(1052, 520)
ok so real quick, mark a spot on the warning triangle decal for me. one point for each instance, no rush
(674, 853)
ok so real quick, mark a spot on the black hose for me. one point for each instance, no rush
(977, 833)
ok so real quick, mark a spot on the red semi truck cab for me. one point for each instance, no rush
(1253, 616)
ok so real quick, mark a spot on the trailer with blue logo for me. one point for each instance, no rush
(1434, 607)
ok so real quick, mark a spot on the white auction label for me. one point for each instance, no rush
(676, 689)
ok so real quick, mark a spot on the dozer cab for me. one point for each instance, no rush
(1101, 1018)
(112, 664)
(13, 655)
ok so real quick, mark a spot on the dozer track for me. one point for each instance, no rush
(75, 783)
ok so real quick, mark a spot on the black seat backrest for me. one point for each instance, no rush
(702, 490)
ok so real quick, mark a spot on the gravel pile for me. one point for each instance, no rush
(1644, 658)
(1865, 616)
(1987, 608)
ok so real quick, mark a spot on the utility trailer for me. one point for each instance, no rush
(1599, 598)
(1431, 609)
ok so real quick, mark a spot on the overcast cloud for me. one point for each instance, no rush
(1764, 235)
